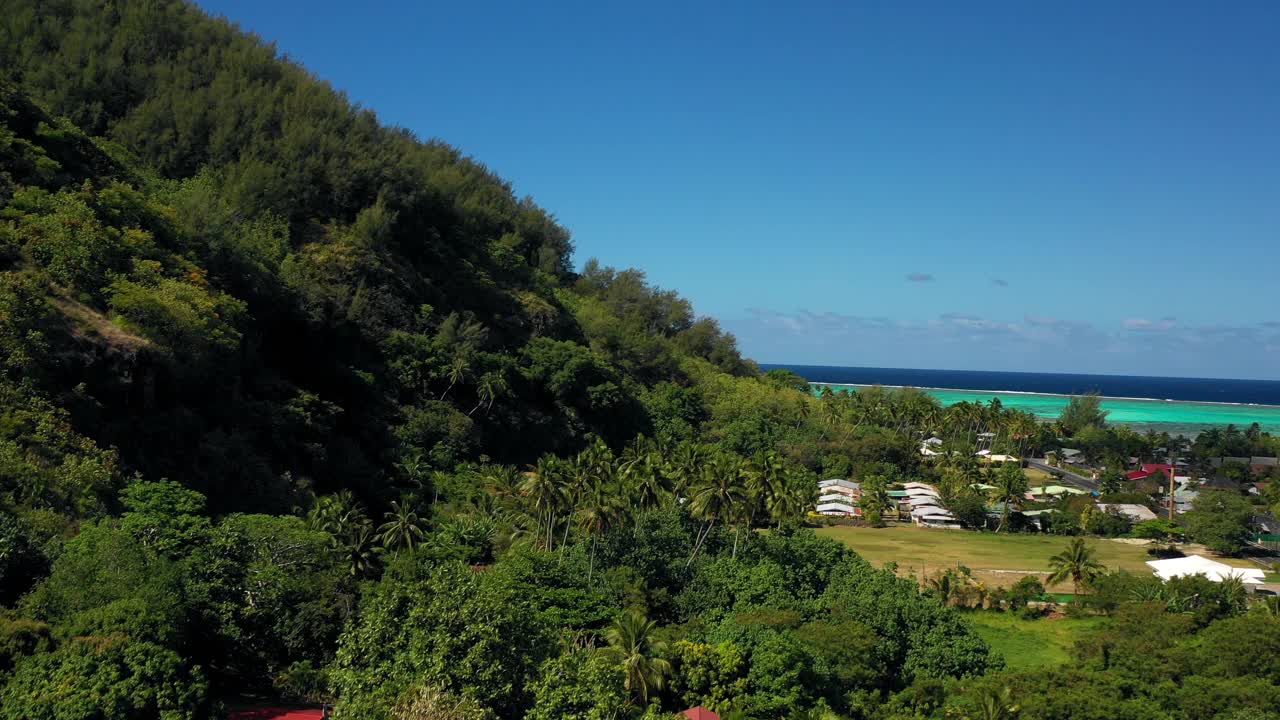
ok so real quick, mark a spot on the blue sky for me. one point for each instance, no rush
(1087, 187)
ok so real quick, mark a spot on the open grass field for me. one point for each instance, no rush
(909, 545)
(1037, 477)
(1030, 643)
(996, 559)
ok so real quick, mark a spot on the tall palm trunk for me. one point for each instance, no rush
(701, 538)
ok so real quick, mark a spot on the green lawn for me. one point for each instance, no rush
(912, 545)
(1029, 643)
(1037, 477)
(997, 559)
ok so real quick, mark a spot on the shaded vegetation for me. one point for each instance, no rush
(295, 405)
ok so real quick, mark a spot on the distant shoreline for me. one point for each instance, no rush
(1045, 394)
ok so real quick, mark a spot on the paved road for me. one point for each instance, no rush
(1066, 476)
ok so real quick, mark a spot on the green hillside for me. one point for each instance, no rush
(297, 408)
(253, 278)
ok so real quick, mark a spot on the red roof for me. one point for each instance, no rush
(700, 713)
(1136, 475)
(1152, 467)
(277, 713)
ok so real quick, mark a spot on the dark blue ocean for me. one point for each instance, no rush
(1262, 392)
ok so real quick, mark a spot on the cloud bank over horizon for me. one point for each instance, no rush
(1032, 343)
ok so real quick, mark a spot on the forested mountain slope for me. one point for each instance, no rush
(254, 278)
(297, 407)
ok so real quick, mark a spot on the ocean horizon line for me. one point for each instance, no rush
(1044, 394)
(1109, 376)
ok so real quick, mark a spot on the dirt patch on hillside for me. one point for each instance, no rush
(85, 323)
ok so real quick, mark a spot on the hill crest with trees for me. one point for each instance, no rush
(294, 405)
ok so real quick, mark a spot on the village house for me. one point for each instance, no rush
(1134, 512)
(839, 497)
(1201, 565)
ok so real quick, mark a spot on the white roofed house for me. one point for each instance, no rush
(839, 497)
(1055, 491)
(933, 516)
(919, 492)
(839, 485)
(1182, 499)
(918, 500)
(925, 506)
(837, 506)
(1134, 512)
(1070, 454)
(1201, 565)
(931, 447)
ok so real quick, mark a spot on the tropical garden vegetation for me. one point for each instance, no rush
(295, 406)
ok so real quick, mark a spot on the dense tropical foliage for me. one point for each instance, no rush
(296, 406)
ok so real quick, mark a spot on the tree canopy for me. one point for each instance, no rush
(296, 406)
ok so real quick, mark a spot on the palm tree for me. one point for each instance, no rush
(1270, 605)
(351, 534)
(1077, 564)
(339, 514)
(579, 476)
(684, 467)
(720, 496)
(766, 474)
(490, 388)
(545, 488)
(501, 481)
(456, 373)
(740, 519)
(359, 551)
(1234, 593)
(832, 412)
(635, 456)
(633, 647)
(402, 529)
(942, 585)
(1011, 487)
(997, 705)
(875, 499)
(798, 495)
(1024, 427)
(802, 410)
(642, 473)
(414, 468)
(520, 528)
(598, 510)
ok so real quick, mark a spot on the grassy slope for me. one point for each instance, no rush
(1037, 477)
(921, 547)
(998, 560)
(922, 551)
(1030, 643)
